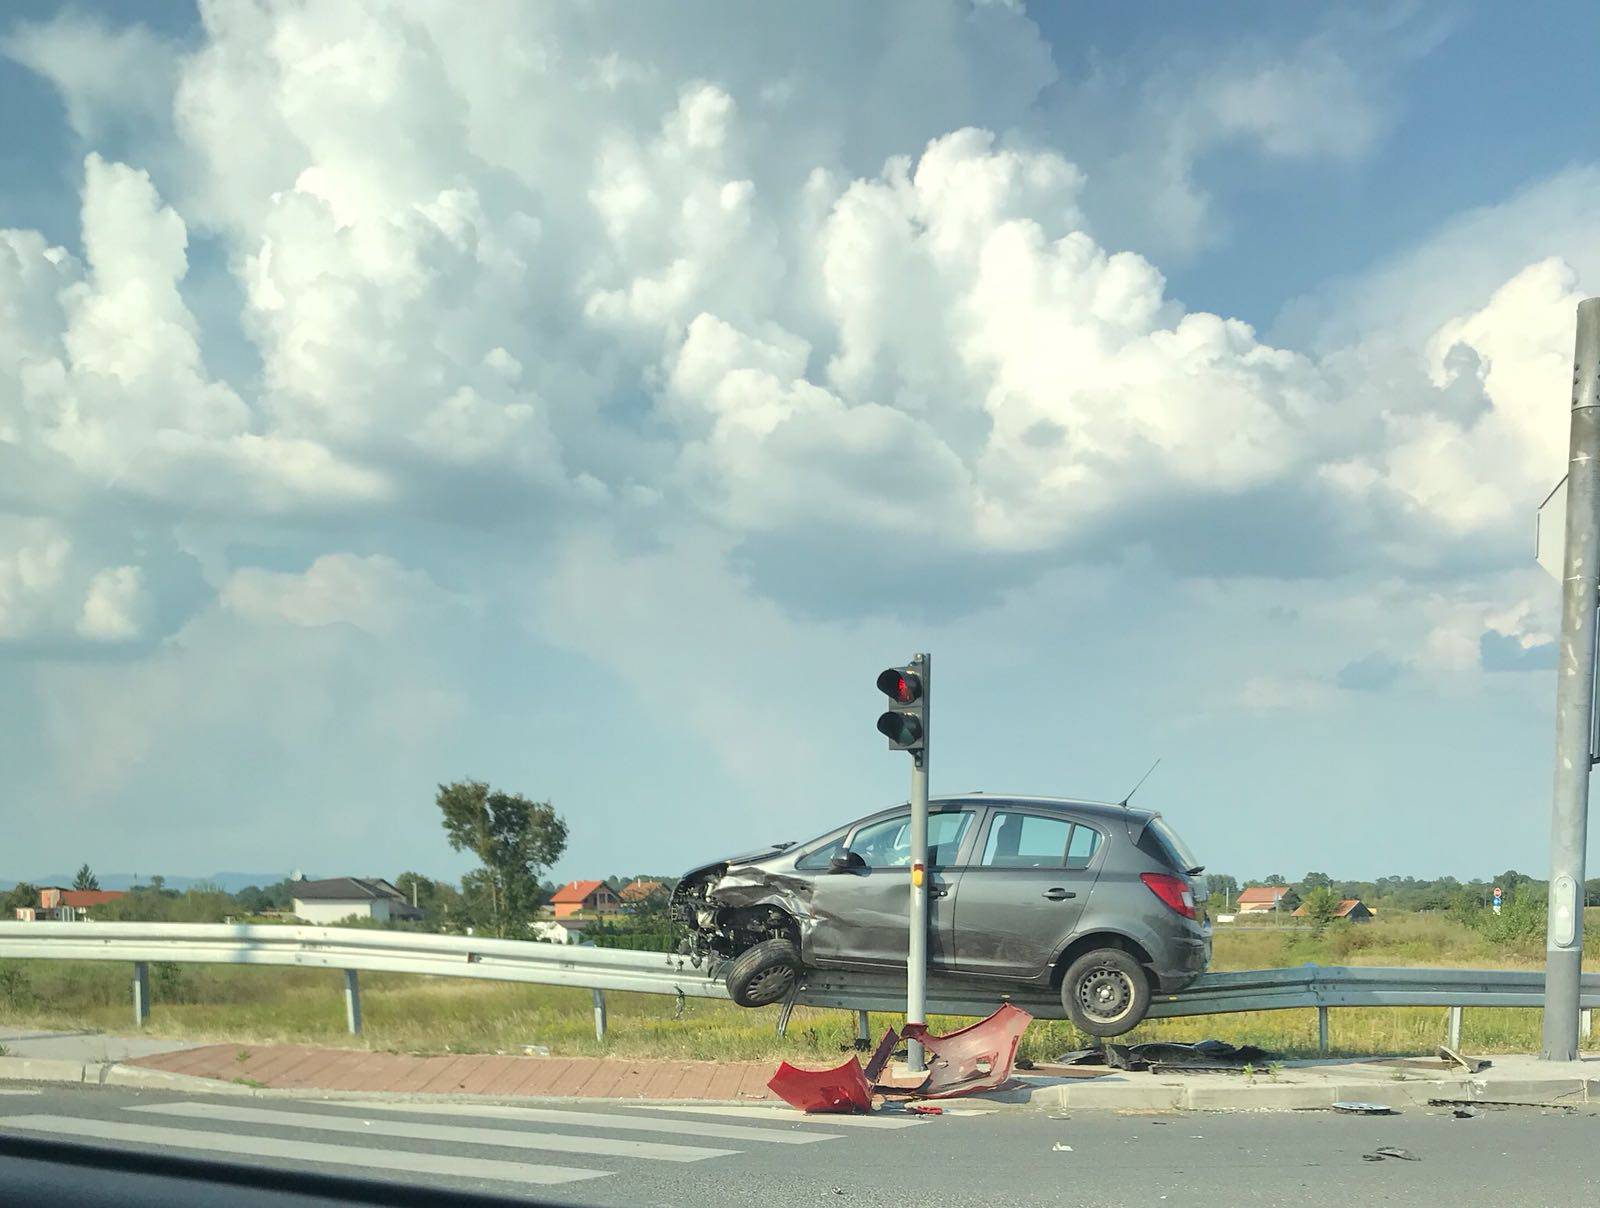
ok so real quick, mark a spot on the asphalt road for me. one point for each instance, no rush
(635, 1155)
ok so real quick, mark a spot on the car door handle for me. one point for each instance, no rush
(1059, 895)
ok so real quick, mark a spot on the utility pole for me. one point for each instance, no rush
(917, 953)
(1575, 684)
(905, 725)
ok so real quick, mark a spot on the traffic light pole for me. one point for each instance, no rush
(917, 952)
(1575, 687)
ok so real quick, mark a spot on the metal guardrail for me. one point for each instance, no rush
(353, 950)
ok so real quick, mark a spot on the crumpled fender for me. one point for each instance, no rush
(748, 885)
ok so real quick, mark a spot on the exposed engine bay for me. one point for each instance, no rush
(730, 907)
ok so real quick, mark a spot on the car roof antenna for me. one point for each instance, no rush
(1124, 802)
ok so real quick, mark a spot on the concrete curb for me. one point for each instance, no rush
(1236, 1094)
(47, 1069)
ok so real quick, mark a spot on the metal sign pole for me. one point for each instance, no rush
(1569, 816)
(917, 951)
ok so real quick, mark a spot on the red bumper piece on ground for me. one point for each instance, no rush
(842, 1089)
(977, 1058)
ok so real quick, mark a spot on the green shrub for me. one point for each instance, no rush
(15, 988)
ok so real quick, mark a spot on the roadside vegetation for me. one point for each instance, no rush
(422, 1014)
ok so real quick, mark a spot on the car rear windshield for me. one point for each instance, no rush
(1170, 847)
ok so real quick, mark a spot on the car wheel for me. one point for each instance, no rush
(763, 975)
(1105, 992)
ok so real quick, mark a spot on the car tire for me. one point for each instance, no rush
(1105, 992)
(763, 975)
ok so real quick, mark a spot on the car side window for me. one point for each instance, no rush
(1026, 841)
(887, 844)
(1081, 847)
(945, 833)
(815, 860)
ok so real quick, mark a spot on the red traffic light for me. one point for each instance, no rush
(902, 687)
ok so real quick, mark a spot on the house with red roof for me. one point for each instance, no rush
(584, 897)
(642, 890)
(1265, 899)
(1353, 909)
(70, 905)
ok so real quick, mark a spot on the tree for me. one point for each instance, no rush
(1321, 905)
(438, 900)
(254, 899)
(19, 895)
(85, 879)
(1316, 880)
(514, 838)
(1221, 885)
(1274, 880)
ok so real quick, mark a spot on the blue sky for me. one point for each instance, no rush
(593, 407)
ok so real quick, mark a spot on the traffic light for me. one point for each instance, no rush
(905, 724)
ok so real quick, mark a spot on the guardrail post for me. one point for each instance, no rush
(863, 1028)
(141, 993)
(600, 1016)
(1586, 1023)
(352, 1001)
(1455, 1028)
(1322, 1031)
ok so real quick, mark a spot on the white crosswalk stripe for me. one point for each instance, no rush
(511, 1139)
(471, 1141)
(299, 1151)
(795, 1131)
(773, 1115)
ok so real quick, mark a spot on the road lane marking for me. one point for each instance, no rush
(299, 1152)
(783, 1115)
(582, 1119)
(507, 1138)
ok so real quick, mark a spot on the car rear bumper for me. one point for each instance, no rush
(1182, 959)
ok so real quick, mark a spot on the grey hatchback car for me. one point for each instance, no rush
(1102, 902)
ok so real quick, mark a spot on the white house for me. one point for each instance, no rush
(337, 898)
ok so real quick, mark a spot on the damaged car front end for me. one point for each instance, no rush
(740, 910)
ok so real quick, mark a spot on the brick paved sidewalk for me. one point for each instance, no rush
(301, 1067)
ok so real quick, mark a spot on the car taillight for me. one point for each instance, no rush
(1174, 891)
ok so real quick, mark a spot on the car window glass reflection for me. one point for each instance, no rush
(887, 844)
(818, 859)
(1026, 841)
(1084, 843)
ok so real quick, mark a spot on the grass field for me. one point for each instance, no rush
(420, 1014)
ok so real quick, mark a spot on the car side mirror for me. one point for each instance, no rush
(845, 861)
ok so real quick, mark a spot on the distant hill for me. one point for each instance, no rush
(231, 882)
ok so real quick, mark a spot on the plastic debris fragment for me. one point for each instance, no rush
(842, 1089)
(976, 1058)
(1356, 1108)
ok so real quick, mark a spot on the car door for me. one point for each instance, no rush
(1024, 890)
(863, 911)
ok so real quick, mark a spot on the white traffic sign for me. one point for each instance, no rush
(1550, 531)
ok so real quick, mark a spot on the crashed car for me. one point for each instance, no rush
(1100, 902)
